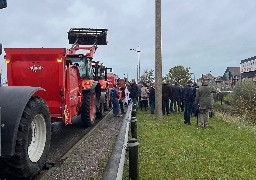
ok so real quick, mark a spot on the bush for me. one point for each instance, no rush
(228, 98)
(224, 108)
(244, 99)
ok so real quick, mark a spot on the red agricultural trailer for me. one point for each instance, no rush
(46, 84)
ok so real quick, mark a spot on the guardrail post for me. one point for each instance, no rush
(134, 127)
(134, 109)
(133, 159)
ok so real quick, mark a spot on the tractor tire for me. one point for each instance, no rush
(110, 103)
(32, 143)
(106, 104)
(100, 111)
(88, 111)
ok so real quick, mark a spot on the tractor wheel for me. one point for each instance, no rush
(100, 111)
(88, 111)
(110, 102)
(106, 105)
(32, 143)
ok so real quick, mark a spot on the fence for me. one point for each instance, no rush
(115, 165)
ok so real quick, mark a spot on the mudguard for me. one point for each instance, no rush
(13, 100)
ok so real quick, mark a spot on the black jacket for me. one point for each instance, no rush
(176, 91)
(188, 94)
(152, 94)
(134, 91)
(166, 91)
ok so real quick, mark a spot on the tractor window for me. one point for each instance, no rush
(102, 73)
(80, 63)
(89, 69)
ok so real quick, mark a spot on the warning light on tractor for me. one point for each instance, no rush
(7, 61)
(87, 83)
(59, 60)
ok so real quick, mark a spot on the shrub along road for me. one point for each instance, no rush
(171, 150)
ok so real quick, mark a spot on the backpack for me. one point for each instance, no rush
(144, 93)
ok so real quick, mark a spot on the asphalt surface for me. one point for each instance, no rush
(87, 150)
(64, 137)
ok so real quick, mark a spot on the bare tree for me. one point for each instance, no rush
(148, 76)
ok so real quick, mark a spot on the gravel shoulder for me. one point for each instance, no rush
(88, 159)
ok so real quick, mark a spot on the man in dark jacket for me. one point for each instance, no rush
(166, 93)
(152, 99)
(176, 94)
(188, 97)
(114, 97)
(134, 92)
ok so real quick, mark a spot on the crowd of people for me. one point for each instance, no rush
(191, 99)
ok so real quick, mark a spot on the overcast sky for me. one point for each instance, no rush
(201, 34)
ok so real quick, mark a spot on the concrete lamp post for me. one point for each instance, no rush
(138, 63)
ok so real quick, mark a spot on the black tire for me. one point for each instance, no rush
(28, 161)
(88, 109)
(110, 103)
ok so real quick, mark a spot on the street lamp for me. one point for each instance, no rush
(138, 64)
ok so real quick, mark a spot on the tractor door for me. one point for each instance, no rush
(73, 95)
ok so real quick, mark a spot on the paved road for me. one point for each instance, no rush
(64, 137)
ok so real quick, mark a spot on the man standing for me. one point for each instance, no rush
(144, 97)
(188, 98)
(134, 92)
(139, 86)
(152, 99)
(114, 97)
(204, 99)
(171, 98)
(166, 93)
(121, 99)
(176, 94)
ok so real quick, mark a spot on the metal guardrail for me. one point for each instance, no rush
(0, 132)
(115, 165)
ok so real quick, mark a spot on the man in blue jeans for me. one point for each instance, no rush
(188, 97)
(114, 97)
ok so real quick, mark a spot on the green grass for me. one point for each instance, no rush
(169, 149)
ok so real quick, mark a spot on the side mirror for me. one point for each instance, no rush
(0, 48)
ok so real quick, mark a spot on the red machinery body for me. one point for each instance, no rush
(65, 75)
(112, 79)
(46, 68)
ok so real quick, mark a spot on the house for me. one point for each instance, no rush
(248, 68)
(231, 73)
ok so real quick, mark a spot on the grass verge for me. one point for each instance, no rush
(169, 149)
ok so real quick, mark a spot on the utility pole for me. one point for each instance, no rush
(158, 61)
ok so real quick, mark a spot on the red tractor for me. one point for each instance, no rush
(46, 84)
(100, 75)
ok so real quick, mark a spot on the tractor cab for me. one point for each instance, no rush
(100, 74)
(83, 64)
(81, 38)
(99, 70)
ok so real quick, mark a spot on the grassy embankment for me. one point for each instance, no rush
(171, 150)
